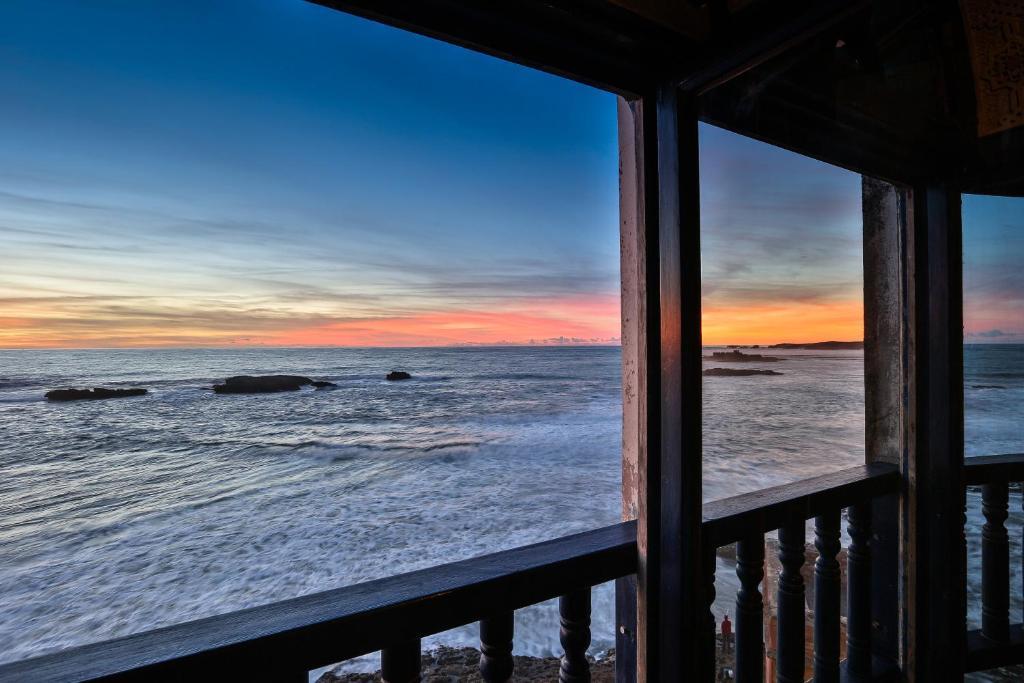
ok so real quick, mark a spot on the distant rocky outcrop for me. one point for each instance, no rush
(396, 375)
(740, 357)
(92, 394)
(824, 346)
(737, 372)
(265, 384)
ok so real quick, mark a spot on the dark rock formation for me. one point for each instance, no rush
(324, 385)
(736, 372)
(740, 357)
(395, 375)
(462, 665)
(92, 394)
(245, 384)
(824, 346)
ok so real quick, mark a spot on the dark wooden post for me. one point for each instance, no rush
(496, 648)
(935, 557)
(858, 600)
(791, 605)
(574, 613)
(995, 564)
(661, 250)
(400, 663)
(826, 598)
(750, 610)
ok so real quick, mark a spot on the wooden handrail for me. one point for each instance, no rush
(986, 469)
(731, 519)
(282, 640)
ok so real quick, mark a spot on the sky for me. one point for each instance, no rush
(270, 172)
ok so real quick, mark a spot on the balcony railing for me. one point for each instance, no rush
(745, 519)
(285, 640)
(998, 642)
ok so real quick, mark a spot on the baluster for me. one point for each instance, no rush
(858, 595)
(826, 598)
(496, 648)
(750, 610)
(574, 613)
(995, 563)
(709, 654)
(400, 663)
(791, 608)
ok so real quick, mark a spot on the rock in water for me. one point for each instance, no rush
(92, 395)
(740, 357)
(264, 384)
(324, 385)
(395, 375)
(736, 372)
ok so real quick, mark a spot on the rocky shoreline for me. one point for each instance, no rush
(462, 665)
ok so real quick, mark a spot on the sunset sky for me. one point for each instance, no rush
(274, 173)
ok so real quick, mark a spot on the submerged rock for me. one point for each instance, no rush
(92, 394)
(324, 385)
(737, 372)
(264, 384)
(395, 375)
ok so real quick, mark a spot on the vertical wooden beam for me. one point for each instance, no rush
(633, 277)
(661, 377)
(934, 543)
(885, 389)
(914, 417)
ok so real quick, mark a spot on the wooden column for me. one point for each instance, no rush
(914, 410)
(661, 378)
(935, 558)
(885, 211)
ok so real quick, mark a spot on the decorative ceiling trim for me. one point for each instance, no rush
(995, 36)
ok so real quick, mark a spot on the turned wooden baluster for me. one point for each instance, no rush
(709, 653)
(826, 598)
(791, 606)
(858, 592)
(574, 613)
(496, 648)
(750, 610)
(995, 563)
(400, 663)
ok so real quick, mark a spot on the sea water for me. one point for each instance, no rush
(123, 515)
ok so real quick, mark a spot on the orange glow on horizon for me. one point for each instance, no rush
(783, 322)
(560, 320)
(590, 319)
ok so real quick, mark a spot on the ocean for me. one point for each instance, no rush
(128, 514)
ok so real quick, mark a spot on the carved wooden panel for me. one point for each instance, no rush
(995, 35)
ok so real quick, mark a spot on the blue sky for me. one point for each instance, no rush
(273, 172)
